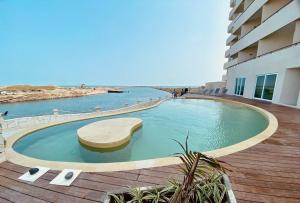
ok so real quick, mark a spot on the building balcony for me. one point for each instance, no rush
(238, 8)
(283, 37)
(251, 24)
(289, 52)
(250, 10)
(248, 53)
(227, 53)
(281, 18)
(230, 63)
(232, 3)
(230, 39)
(272, 7)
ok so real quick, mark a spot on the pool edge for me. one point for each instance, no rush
(17, 158)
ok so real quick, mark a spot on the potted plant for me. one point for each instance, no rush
(205, 180)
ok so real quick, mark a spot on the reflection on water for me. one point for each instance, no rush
(210, 124)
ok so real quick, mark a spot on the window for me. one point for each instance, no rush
(269, 87)
(239, 86)
(242, 86)
(236, 86)
(265, 85)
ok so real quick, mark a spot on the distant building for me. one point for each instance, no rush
(264, 54)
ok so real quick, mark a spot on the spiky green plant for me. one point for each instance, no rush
(117, 198)
(137, 195)
(158, 195)
(211, 190)
(197, 168)
(172, 185)
(202, 182)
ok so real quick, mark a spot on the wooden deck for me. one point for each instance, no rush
(267, 172)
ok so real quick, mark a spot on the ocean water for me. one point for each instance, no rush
(82, 104)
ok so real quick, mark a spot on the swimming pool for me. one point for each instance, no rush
(210, 125)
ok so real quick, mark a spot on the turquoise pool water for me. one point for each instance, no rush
(210, 124)
(82, 104)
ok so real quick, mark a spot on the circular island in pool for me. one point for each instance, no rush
(212, 125)
(108, 134)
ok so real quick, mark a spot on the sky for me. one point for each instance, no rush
(115, 42)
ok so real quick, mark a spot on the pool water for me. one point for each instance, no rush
(210, 125)
(130, 96)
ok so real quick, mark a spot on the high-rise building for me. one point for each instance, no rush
(264, 50)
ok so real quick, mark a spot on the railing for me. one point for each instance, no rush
(237, 4)
(266, 19)
(230, 63)
(230, 38)
(227, 53)
(25, 122)
(285, 47)
(238, 17)
(277, 11)
(232, 3)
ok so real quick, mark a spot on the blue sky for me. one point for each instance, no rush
(115, 42)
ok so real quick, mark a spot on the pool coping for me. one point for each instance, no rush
(17, 158)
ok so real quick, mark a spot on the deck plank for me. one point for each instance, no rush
(14, 196)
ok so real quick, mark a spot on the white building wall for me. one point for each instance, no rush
(291, 87)
(277, 62)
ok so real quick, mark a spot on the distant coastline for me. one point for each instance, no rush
(24, 93)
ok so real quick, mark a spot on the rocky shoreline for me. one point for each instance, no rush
(25, 93)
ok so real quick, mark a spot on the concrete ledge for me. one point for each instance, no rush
(109, 133)
(15, 125)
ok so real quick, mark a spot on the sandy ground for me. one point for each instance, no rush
(22, 93)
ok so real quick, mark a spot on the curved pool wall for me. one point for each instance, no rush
(210, 124)
(131, 96)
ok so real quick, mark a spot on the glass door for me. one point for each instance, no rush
(260, 80)
(269, 87)
(239, 86)
(265, 85)
(243, 81)
(236, 86)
